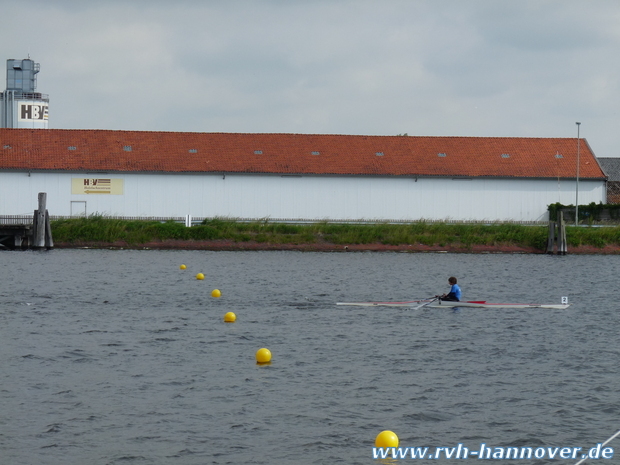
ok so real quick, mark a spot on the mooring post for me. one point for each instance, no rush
(49, 241)
(551, 237)
(39, 222)
(562, 248)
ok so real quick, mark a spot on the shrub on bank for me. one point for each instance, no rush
(99, 229)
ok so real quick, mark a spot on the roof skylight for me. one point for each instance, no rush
(258, 152)
(316, 153)
(441, 154)
(505, 155)
(379, 154)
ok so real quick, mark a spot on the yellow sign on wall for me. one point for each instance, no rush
(96, 186)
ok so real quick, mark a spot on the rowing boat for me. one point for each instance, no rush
(445, 303)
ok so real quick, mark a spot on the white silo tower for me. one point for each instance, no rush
(20, 105)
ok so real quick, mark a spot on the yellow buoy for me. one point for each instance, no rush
(182, 267)
(386, 439)
(200, 276)
(216, 293)
(230, 317)
(263, 356)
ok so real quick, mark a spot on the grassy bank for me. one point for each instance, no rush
(102, 230)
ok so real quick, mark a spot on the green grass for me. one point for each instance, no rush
(99, 229)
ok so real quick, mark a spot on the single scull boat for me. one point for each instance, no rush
(445, 303)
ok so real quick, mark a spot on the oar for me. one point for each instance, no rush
(605, 443)
(427, 303)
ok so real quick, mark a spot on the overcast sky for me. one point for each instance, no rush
(526, 68)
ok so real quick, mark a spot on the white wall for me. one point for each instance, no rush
(313, 198)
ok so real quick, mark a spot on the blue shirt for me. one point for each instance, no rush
(456, 291)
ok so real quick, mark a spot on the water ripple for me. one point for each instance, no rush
(113, 365)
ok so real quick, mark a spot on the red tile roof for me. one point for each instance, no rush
(179, 152)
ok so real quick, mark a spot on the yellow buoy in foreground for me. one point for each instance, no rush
(182, 267)
(200, 276)
(386, 439)
(216, 293)
(263, 356)
(230, 317)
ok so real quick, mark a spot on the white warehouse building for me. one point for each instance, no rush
(294, 177)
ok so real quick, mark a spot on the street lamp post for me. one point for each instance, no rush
(577, 183)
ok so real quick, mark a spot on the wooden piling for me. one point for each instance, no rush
(36, 235)
(556, 238)
(551, 238)
(562, 246)
(38, 241)
(49, 241)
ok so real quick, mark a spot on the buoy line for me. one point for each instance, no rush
(604, 444)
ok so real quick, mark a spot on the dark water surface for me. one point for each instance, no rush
(119, 357)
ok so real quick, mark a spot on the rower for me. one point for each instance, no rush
(455, 291)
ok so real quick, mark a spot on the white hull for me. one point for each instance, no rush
(443, 303)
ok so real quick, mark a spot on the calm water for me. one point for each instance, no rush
(119, 357)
